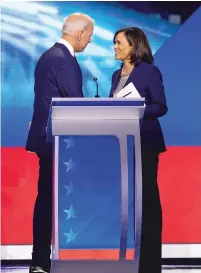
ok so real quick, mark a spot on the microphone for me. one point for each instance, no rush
(96, 81)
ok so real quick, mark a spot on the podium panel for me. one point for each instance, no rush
(89, 197)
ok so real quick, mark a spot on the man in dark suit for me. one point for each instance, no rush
(57, 74)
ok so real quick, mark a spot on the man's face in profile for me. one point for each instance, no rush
(85, 38)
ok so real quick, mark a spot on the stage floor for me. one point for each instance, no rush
(24, 269)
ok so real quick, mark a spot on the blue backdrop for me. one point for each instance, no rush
(179, 60)
(29, 28)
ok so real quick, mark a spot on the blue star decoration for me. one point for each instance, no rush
(69, 165)
(70, 143)
(69, 189)
(70, 236)
(70, 213)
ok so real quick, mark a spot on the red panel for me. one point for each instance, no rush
(19, 187)
(179, 181)
(180, 188)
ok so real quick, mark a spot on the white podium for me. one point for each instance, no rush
(94, 117)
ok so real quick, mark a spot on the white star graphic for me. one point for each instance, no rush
(70, 213)
(69, 189)
(70, 143)
(69, 165)
(70, 236)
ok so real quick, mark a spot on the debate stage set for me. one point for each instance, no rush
(97, 158)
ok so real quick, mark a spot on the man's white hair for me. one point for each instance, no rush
(80, 22)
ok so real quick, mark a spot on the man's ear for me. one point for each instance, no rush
(80, 35)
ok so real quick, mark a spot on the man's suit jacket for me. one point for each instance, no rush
(147, 79)
(57, 74)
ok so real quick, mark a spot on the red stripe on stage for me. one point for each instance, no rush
(19, 189)
(94, 254)
(180, 190)
(179, 182)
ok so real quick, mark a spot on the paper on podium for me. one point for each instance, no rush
(129, 91)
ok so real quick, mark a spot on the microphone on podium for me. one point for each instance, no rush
(96, 81)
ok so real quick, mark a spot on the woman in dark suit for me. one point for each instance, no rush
(132, 48)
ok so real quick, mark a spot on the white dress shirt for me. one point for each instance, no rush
(70, 48)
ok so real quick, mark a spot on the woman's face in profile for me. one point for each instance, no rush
(122, 48)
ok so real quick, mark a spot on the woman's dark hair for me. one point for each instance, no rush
(136, 38)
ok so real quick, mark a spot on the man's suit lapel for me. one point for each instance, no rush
(65, 50)
(68, 54)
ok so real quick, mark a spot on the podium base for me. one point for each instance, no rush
(59, 266)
